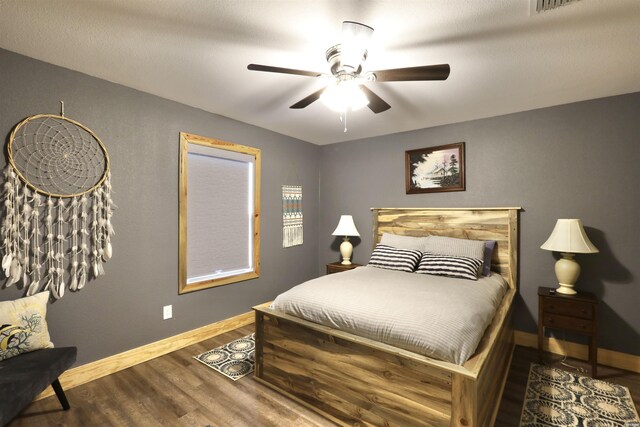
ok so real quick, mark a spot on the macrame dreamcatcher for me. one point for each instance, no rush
(56, 229)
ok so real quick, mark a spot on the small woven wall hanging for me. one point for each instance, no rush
(56, 227)
(291, 215)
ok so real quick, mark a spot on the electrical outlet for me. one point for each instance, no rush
(167, 312)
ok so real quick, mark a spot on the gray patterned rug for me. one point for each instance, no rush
(233, 360)
(559, 398)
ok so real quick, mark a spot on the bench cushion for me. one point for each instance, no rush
(24, 377)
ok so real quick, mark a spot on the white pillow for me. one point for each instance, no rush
(455, 247)
(404, 242)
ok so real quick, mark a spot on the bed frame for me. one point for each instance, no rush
(356, 381)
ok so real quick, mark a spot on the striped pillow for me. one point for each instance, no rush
(450, 266)
(391, 258)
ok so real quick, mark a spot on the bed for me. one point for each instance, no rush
(353, 380)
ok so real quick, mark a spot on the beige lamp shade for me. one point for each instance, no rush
(568, 237)
(346, 228)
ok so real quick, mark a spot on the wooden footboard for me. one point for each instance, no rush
(355, 381)
(348, 381)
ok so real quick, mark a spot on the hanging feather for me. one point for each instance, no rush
(50, 257)
(108, 250)
(7, 222)
(26, 241)
(13, 213)
(6, 264)
(35, 245)
(53, 288)
(16, 228)
(83, 275)
(33, 288)
(14, 272)
(84, 250)
(8, 225)
(97, 251)
(73, 286)
(59, 256)
(108, 213)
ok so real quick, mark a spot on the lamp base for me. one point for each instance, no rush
(566, 289)
(346, 249)
(567, 272)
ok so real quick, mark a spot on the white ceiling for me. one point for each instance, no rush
(504, 58)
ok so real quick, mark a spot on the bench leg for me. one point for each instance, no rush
(60, 393)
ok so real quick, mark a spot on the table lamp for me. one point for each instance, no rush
(346, 228)
(568, 238)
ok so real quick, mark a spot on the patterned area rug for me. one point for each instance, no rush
(559, 398)
(233, 360)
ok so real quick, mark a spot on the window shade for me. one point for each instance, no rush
(220, 185)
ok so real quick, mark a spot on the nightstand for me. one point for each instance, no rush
(336, 267)
(575, 313)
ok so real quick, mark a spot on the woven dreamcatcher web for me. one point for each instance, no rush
(57, 227)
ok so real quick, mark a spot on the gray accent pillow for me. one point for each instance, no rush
(489, 245)
(404, 242)
(455, 247)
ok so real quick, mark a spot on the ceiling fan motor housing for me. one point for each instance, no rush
(334, 58)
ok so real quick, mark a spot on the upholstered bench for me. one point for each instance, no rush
(25, 376)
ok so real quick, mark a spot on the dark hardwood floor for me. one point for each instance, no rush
(177, 390)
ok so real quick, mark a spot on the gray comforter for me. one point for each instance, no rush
(440, 317)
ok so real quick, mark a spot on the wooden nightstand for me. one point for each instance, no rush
(336, 267)
(575, 313)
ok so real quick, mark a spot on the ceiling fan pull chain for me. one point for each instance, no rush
(343, 119)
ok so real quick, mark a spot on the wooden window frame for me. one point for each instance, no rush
(185, 140)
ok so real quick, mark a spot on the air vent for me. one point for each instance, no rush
(544, 5)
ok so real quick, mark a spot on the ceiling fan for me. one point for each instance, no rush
(345, 90)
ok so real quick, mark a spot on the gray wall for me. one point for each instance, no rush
(573, 161)
(123, 309)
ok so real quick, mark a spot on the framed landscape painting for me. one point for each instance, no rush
(435, 169)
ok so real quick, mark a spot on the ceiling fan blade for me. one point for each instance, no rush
(308, 100)
(426, 72)
(376, 104)
(270, 69)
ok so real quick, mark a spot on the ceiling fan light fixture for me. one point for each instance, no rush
(344, 95)
(355, 42)
(345, 89)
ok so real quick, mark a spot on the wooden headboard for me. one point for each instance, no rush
(499, 224)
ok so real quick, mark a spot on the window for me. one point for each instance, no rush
(219, 213)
